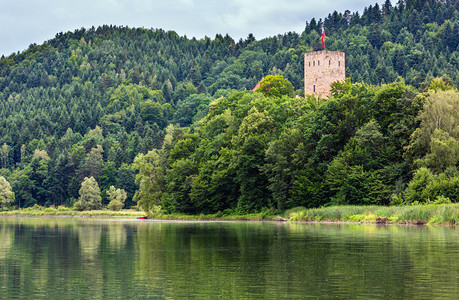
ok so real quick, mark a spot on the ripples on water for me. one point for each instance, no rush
(81, 258)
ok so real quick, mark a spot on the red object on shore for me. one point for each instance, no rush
(142, 218)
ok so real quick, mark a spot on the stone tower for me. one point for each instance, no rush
(321, 69)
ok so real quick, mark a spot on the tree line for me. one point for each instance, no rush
(95, 102)
(365, 145)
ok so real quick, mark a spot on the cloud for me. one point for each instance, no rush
(30, 21)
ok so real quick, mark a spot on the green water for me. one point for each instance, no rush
(120, 259)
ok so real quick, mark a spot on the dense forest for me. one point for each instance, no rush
(172, 121)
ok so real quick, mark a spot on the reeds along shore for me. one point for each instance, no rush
(446, 214)
(415, 214)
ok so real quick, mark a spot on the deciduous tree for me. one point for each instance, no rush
(6, 193)
(117, 198)
(89, 195)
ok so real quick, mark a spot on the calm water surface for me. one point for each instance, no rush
(88, 258)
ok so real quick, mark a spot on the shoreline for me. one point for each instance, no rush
(222, 220)
(419, 215)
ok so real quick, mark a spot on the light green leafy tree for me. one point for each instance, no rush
(152, 171)
(434, 143)
(89, 195)
(117, 198)
(444, 152)
(151, 174)
(275, 86)
(6, 193)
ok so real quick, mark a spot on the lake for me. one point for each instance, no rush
(82, 258)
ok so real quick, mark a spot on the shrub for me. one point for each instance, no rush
(34, 207)
(396, 200)
(443, 186)
(80, 206)
(115, 205)
(50, 210)
(63, 208)
(416, 188)
(442, 200)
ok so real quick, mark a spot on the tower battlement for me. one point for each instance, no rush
(321, 69)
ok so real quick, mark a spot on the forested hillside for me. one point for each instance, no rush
(98, 103)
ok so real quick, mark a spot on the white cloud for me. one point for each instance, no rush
(29, 21)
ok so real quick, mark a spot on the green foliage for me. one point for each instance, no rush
(415, 190)
(444, 152)
(115, 205)
(442, 200)
(150, 179)
(438, 84)
(282, 167)
(89, 195)
(126, 95)
(360, 174)
(250, 143)
(178, 186)
(435, 142)
(213, 189)
(115, 194)
(418, 214)
(117, 198)
(6, 193)
(275, 86)
(191, 109)
(100, 103)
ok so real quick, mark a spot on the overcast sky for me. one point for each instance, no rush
(23, 22)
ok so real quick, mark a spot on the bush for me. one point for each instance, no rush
(442, 200)
(426, 187)
(34, 207)
(396, 200)
(416, 188)
(50, 210)
(63, 208)
(80, 206)
(443, 186)
(115, 205)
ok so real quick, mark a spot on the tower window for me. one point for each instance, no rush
(309, 63)
(314, 63)
(329, 62)
(314, 88)
(318, 62)
(339, 63)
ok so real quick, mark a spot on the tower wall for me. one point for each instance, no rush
(321, 69)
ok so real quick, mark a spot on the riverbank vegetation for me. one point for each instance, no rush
(39, 211)
(441, 214)
(164, 120)
(413, 214)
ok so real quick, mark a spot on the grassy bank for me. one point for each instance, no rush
(447, 214)
(37, 211)
(261, 216)
(417, 214)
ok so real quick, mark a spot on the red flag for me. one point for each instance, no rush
(323, 38)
